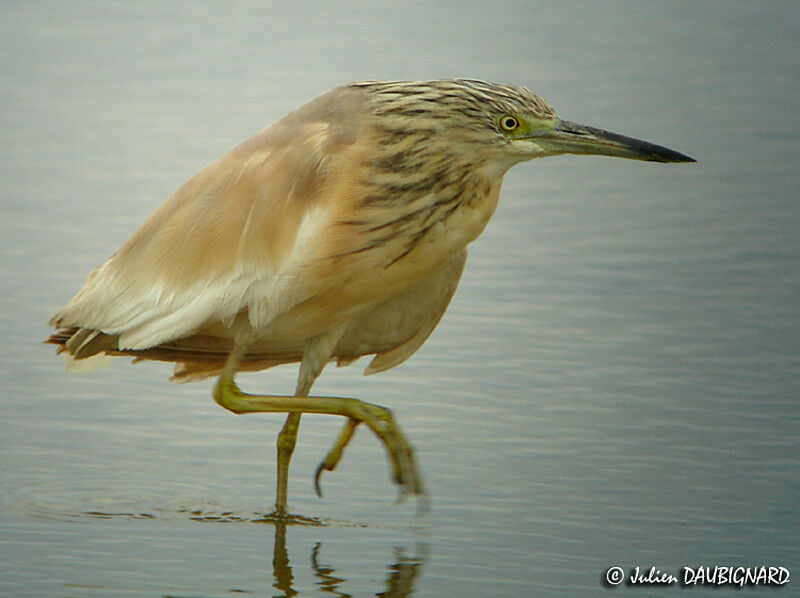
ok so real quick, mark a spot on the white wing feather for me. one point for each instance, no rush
(237, 236)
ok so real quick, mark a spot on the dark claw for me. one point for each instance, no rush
(320, 468)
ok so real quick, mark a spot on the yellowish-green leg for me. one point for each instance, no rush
(376, 418)
(316, 353)
(287, 439)
(335, 454)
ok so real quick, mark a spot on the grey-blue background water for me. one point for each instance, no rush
(615, 383)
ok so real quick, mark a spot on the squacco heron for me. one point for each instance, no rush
(338, 231)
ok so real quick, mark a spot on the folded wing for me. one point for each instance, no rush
(236, 237)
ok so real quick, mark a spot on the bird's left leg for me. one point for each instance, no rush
(333, 457)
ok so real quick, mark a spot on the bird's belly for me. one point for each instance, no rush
(377, 326)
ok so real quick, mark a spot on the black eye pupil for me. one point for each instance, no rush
(509, 122)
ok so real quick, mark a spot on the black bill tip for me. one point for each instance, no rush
(582, 139)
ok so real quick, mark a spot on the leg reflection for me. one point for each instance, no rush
(281, 568)
(403, 571)
(327, 580)
(402, 574)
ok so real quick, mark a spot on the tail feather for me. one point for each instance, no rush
(195, 357)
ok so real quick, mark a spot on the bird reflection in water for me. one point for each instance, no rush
(403, 571)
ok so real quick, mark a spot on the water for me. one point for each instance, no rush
(616, 381)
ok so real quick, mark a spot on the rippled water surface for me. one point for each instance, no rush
(616, 381)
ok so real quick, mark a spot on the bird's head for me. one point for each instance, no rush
(504, 124)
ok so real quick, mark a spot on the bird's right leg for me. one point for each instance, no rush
(316, 353)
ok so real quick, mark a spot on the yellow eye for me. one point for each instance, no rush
(509, 122)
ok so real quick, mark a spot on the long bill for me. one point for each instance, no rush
(572, 138)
